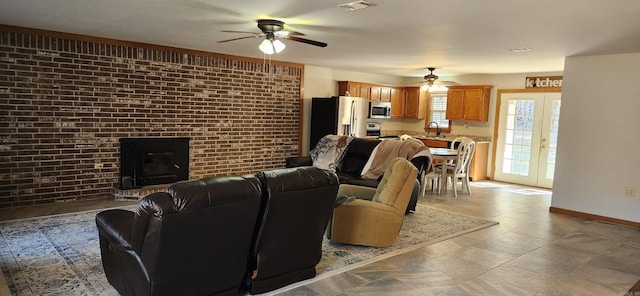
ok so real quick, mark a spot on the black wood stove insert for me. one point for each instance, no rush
(153, 161)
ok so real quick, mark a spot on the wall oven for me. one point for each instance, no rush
(380, 110)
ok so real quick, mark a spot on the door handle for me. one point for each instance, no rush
(542, 146)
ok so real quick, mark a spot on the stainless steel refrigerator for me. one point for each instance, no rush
(338, 116)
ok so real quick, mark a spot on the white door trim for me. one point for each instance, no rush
(496, 124)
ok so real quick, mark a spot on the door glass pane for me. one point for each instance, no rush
(508, 139)
(506, 166)
(526, 137)
(553, 139)
(511, 121)
(526, 153)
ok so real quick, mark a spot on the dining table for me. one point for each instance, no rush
(444, 154)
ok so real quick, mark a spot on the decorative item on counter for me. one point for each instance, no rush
(405, 137)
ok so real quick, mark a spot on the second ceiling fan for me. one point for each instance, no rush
(273, 31)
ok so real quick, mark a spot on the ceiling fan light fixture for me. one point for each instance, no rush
(269, 46)
(431, 78)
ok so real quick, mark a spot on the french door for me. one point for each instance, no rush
(527, 138)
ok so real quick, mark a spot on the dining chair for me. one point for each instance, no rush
(454, 145)
(426, 173)
(457, 140)
(459, 170)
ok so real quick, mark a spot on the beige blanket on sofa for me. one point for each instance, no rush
(387, 150)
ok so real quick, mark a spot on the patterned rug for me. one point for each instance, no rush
(60, 255)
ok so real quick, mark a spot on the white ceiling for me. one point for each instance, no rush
(396, 37)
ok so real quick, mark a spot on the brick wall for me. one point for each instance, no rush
(65, 102)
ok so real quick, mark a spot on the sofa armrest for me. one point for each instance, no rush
(298, 161)
(363, 222)
(360, 192)
(115, 226)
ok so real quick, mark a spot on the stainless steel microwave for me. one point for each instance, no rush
(380, 110)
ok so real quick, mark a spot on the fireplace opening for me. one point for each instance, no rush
(153, 161)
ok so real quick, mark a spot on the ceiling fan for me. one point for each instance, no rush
(430, 78)
(272, 31)
(431, 84)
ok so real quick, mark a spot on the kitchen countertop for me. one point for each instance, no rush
(449, 138)
(443, 137)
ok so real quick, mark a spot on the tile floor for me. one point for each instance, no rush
(531, 251)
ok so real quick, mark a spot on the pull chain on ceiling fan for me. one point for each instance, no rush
(272, 31)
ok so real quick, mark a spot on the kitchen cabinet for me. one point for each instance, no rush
(365, 92)
(435, 143)
(469, 102)
(415, 103)
(348, 87)
(406, 102)
(397, 102)
(381, 93)
(478, 167)
(355, 89)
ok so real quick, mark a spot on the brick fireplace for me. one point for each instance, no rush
(66, 100)
(153, 161)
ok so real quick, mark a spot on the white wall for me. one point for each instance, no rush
(599, 136)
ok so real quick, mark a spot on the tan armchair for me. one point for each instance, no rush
(374, 218)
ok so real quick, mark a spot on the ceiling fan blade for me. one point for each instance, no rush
(307, 41)
(445, 83)
(240, 38)
(288, 33)
(243, 32)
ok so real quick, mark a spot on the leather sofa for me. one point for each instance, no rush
(221, 235)
(354, 160)
(294, 214)
(191, 240)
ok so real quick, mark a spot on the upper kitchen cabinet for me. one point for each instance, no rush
(354, 89)
(381, 93)
(469, 102)
(397, 102)
(365, 92)
(349, 88)
(415, 103)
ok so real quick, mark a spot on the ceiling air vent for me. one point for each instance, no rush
(356, 5)
(519, 49)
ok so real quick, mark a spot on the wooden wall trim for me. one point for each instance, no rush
(594, 217)
(301, 114)
(87, 38)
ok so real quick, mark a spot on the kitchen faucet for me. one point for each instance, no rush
(437, 128)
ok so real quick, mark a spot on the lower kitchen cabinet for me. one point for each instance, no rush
(436, 143)
(478, 169)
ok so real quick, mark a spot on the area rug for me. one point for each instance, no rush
(60, 255)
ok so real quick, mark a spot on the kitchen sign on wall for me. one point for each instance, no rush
(543, 82)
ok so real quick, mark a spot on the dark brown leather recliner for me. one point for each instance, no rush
(191, 240)
(297, 204)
